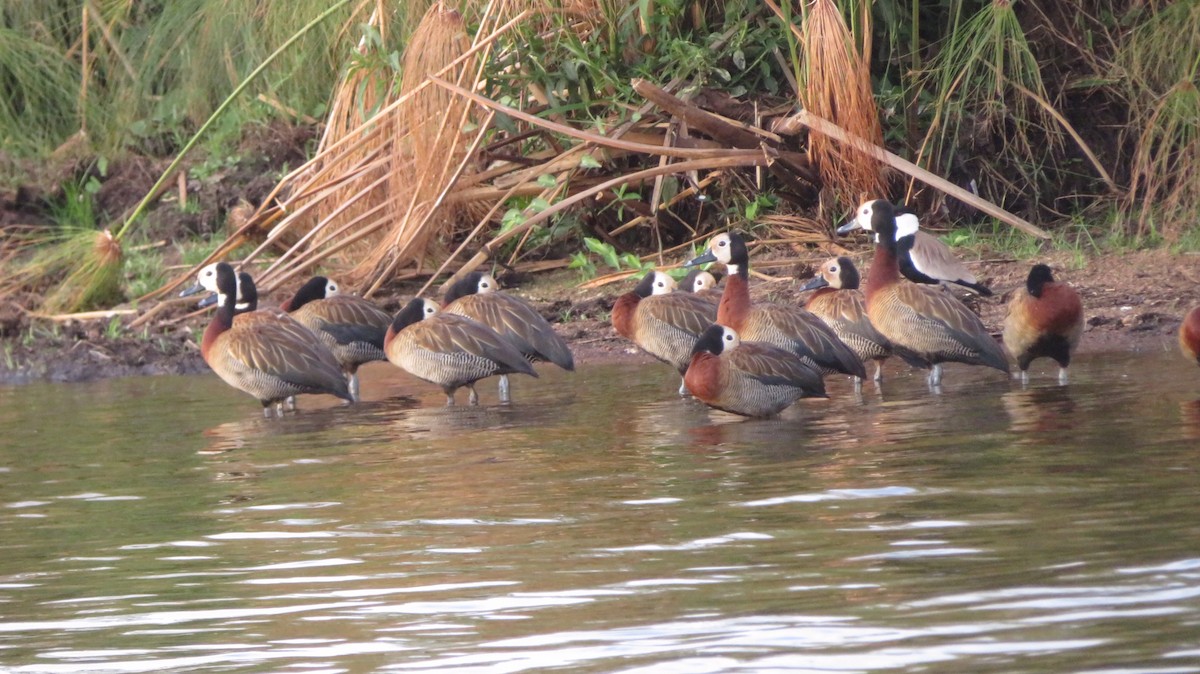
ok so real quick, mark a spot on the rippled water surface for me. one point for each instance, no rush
(604, 524)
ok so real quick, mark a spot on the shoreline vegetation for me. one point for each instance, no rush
(568, 144)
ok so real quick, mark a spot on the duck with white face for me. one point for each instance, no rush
(661, 322)
(478, 296)
(923, 258)
(449, 350)
(748, 378)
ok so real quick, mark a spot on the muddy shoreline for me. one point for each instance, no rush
(1134, 302)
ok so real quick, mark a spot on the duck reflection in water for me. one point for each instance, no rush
(1044, 410)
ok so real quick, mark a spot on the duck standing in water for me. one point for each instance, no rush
(270, 358)
(927, 326)
(350, 326)
(663, 323)
(748, 378)
(786, 327)
(449, 350)
(477, 296)
(1045, 319)
(839, 302)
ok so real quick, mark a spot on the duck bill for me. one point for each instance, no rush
(706, 256)
(848, 227)
(814, 283)
(207, 301)
(194, 290)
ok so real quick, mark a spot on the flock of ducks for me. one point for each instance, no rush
(751, 359)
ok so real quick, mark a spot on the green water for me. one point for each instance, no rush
(603, 524)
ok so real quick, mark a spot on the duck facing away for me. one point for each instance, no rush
(449, 350)
(477, 296)
(922, 257)
(748, 378)
(1189, 335)
(663, 323)
(839, 302)
(790, 328)
(350, 326)
(1045, 319)
(269, 357)
(928, 327)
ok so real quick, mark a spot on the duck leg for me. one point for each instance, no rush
(353, 382)
(878, 370)
(857, 384)
(1062, 376)
(474, 397)
(935, 375)
(505, 397)
(683, 389)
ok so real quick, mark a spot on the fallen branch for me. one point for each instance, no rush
(825, 127)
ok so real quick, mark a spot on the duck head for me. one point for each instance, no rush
(716, 340)
(1038, 277)
(727, 248)
(837, 272)
(654, 283)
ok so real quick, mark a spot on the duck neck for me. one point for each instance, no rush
(623, 312)
(221, 321)
(734, 307)
(885, 269)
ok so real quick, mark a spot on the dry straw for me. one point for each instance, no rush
(837, 87)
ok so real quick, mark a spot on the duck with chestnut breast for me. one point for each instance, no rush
(268, 357)
(1189, 335)
(1045, 319)
(752, 379)
(790, 328)
(703, 284)
(350, 326)
(839, 302)
(922, 257)
(449, 350)
(663, 323)
(927, 326)
(477, 296)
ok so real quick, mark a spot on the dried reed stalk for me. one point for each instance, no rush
(837, 87)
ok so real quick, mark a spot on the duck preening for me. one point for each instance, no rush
(787, 327)
(449, 350)
(839, 302)
(349, 326)
(748, 378)
(1189, 335)
(270, 357)
(477, 296)
(663, 323)
(922, 257)
(927, 326)
(1045, 319)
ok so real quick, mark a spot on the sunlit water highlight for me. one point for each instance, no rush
(603, 524)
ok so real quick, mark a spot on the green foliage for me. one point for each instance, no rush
(607, 254)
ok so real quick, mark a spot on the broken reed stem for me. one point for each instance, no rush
(825, 127)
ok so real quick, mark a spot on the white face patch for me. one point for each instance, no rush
(331, 289)
(207, 278)
(487, 284)
(663, 284)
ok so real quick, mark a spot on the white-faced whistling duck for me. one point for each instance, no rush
(662, 323)
(702, 283)
(787, 327)
(928, 326)
(269, 357)
(350, 326)
(449, 350)
(923, 258)
(477, 297)
(839, 302)
(752, 379)
(1045, 318)
(1189, 335)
